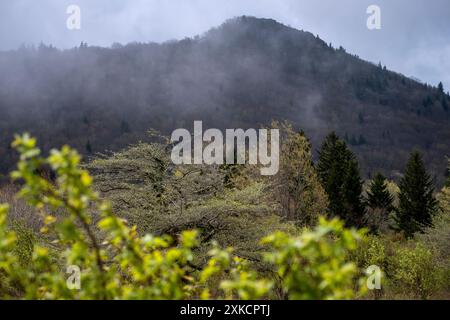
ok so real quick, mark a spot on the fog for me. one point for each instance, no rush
(414, 38)
(243, 74)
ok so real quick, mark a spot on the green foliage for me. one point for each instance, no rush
(8, 259)
(26, 240)
(437, 238)
(414, 271)
(296, 186)
(409, 269)
(124, 265)
(372, 252)
(314, 265)
(147, 190)
(416, 200)
(339, 174)
(243, 282)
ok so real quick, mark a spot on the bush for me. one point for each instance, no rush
(371, 252)
(415, 273)
(409, 269)
(314, 265)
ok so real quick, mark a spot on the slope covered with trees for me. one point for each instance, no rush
(244, 73)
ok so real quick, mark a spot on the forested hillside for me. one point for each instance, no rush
(244, 73)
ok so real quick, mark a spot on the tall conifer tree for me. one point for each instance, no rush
(416, 200)
(339, 174)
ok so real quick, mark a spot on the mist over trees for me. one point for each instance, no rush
(359, 149)
(244, 73)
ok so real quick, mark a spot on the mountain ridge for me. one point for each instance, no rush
(243, 73)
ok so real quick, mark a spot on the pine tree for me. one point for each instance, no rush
(380, 205)
(339, 174)
(378, 195)
(328, 169)
(441, 87)
(416, 201)
(353, 194)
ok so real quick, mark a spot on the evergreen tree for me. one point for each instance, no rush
(380, 205)
(353, 194)
(416, 201)
(88, 147)
(441, 87)
(339, 174)
(378, 195)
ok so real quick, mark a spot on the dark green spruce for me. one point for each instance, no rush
(378, 196)
(416, 200)
(340, 177)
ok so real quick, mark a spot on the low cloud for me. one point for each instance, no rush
(406, 26)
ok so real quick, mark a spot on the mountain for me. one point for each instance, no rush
(244, 73)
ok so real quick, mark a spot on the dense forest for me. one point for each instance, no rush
(359, 208)
(243, 74)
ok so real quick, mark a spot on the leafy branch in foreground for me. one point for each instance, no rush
(116, 263)
(315, 264)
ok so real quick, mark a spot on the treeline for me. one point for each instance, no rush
(339, 174)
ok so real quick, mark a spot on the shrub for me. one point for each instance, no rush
(371, 252)
(314, 265)
(414, 271)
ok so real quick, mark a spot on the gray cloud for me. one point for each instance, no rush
(414, 39)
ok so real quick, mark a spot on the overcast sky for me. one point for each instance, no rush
(414, 38)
